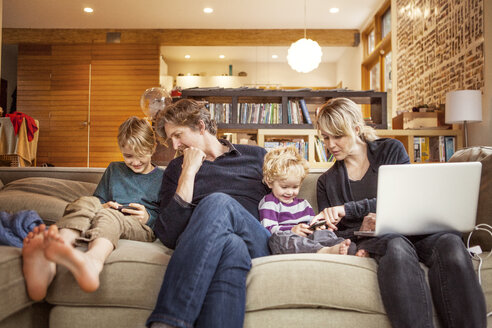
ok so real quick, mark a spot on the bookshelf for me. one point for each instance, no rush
(375, 101)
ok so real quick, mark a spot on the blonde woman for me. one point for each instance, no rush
(347, 195)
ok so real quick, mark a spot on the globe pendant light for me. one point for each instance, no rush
(304, 55)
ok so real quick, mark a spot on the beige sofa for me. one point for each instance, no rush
(308, 290)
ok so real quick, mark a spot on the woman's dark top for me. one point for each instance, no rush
(335, 188)
(238, 173)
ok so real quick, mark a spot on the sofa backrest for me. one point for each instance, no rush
(484, 210)
(308, 188)
(84, 174)
(93, 175)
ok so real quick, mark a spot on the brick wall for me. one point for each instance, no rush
(440, 49)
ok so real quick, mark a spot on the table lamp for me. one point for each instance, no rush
(463, 106)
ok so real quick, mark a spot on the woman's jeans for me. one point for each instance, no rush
(205, 280)
(454, 287)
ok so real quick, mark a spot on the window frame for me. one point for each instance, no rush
(381, 49)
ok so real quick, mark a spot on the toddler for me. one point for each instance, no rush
(289, 218)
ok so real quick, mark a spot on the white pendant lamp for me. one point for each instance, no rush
(304, 55)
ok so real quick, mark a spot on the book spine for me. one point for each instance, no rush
(289, 112)
(299, 113)
(416, 150)
(442, 149)
(294, 112)
(305, 111)
(424, 149)
(450, 146)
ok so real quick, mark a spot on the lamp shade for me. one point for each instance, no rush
(463, 106)
(304, 55)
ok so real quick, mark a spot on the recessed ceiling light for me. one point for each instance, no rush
(208, 10)
(88, 10)
(187, 56)
(274, 56)
(221, 56)
(334, 10)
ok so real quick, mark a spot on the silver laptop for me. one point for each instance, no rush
(420, 199)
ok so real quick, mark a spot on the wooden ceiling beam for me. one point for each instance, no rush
(184, 37)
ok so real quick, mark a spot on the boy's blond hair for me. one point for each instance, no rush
(283, 162)
(138, 135)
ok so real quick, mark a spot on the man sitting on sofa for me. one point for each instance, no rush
(209, 215)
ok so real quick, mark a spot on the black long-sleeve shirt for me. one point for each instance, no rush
(334, 187)
(237, 173)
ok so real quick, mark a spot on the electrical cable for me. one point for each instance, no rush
(477, 257)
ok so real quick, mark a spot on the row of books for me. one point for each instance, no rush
(261, 113)
(322, 154)
(220, 112)
(297, 112)
(268, 113)
(300, 144)
(433, 149)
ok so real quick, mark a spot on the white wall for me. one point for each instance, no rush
(349, 68)
(480, 134)
(275, 74)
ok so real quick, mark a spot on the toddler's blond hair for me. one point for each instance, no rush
(138, 135)
(283, 162)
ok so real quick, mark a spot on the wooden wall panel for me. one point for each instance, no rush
(70, 76)
(33, 91)
(120, 74)
(53, 87)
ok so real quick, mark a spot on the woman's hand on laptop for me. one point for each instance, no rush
(333, 215)
(369, 222)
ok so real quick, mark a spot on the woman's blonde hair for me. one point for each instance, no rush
(185, 112)
(341, 117)
(283, 162)
(138, 135)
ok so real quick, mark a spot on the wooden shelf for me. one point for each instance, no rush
(406, 137)
(290, 133)
(234, 96)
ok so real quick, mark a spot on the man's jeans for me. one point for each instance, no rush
(205, 281)
(454, 287)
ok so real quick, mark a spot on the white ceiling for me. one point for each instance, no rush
(166, 14)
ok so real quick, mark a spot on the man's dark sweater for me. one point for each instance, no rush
(335, 188)
(237, 173)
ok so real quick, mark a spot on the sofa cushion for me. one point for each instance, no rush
(12, 287)
(314, 281)
(484, 210)
(47, 196)
(131, 277)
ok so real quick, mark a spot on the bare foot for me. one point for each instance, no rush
(38, 270)
(84, 269)
(341, 248)
(362, 253)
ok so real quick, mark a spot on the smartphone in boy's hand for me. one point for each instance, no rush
(317, 224)
(122, 207)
